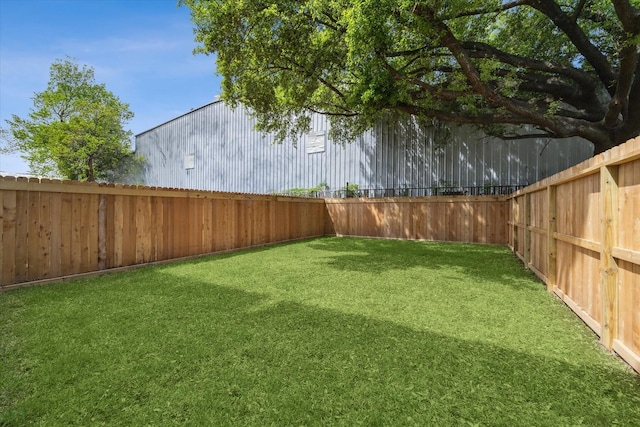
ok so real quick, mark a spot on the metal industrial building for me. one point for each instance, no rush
(217, 148)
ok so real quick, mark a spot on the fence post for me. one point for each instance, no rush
(527, 230)
(552, 243)
(608, 264)
(515, 217)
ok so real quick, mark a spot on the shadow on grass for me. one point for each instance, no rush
(486, 262)
(202, 354)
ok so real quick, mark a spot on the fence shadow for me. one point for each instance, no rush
(485, 262)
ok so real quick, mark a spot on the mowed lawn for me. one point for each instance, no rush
(332, 331)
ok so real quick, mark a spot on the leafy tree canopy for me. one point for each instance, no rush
(567, 68)
(75, 128)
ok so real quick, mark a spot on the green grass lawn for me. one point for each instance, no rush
(333, 331)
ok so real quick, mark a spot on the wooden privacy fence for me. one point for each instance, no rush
(479, 219)
(56, 229)
(579, 231)
(53, 229)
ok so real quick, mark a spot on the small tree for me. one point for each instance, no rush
(75, 128)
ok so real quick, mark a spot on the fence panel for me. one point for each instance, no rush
(628, 253)
(479, 219)
(591, 218)
(54, 229)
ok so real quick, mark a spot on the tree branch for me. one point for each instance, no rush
(330, 113)
(458, 117)
(579, 39)
(629, 16)
(629, 128)
(483, 50)
(502, 8)
(449, 40)
(578, 10)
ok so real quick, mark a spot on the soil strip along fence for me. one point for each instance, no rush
(53, 229)
(579, 231)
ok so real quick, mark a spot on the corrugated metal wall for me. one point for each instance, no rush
(217, 148)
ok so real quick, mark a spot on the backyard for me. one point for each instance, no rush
(329, 331)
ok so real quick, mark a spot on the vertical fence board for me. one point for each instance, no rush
(181, 227)
(629, 300)
(293, 221)
(230, 218)
(283, 223)
(242, 225)
(168, 225)
(66, 234)
(46, 227)
(143, 229)
(207, 231)
(441, 231)
(609, 267)
(118, 230)
(629, 205)
(218, 225)
(8, 237)
(85, 224)
(74, 238)
(129, 242)
(110, 231)
(22, 235)
(552, 243)
(55, 262)
(195, 246)
(94, 232)
(633, 313)
(155, 229)
(34, 259)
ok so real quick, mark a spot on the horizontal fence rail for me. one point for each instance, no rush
(579, 231)
(53, 229)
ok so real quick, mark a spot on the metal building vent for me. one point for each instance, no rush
(315, 142)
(189, 161)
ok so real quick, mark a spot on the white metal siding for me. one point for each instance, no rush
(229, 155)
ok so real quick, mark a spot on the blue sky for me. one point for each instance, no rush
(142, 50)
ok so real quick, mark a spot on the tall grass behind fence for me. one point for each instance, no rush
(52, 229)
(579, 231)
(478, 219)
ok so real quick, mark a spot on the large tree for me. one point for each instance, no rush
(75, 128)
(556, 68)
